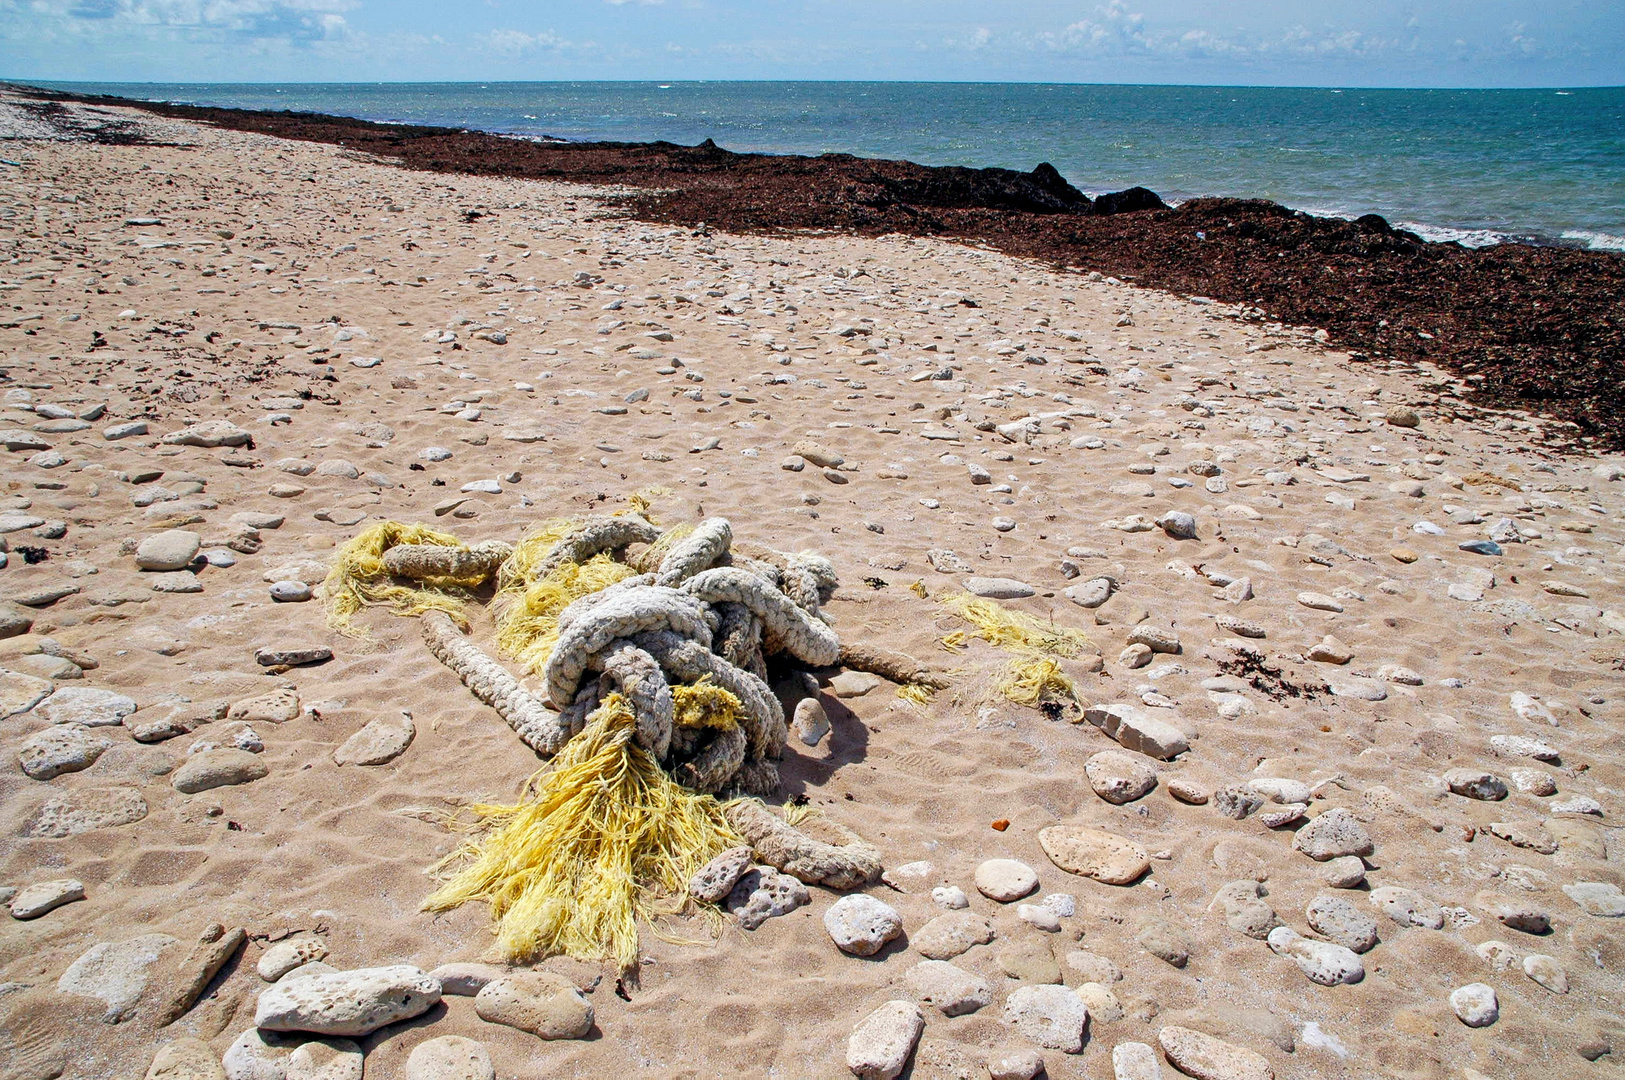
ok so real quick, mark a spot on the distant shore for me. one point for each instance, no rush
(1523, 327)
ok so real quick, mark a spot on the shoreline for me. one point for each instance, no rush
(1379, 292)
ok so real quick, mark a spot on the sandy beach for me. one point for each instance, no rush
(387, 338)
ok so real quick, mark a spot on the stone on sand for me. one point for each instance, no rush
(1052, 1016)
(220, 767)
(381, 741)
(1094, 853)
(348, 1003)
(881, 1044)
(1206, 1058)
(543, 1003)
(862, 925)
(115, 973)
(1005, 880)
(449, 1057)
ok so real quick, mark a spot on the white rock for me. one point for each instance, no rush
(951, 989)
(1005, 880)
(880, 1045)
(171, 550)
(861, 925)
(951, 897)
(1051, 1016)
(61, 748)
(1475, 1005)
(465, 978)
(87, 705)
(1546, 971)
(449, 1057)
(115, 973)
(288, 954)
(349, 1002)
(380, 741)
(1135, 1061)
(45, 896)
(1322, 961)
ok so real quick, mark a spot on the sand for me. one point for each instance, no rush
(332, 258)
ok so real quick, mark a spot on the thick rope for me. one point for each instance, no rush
(780, 844)
(420, 561)
(537, 726)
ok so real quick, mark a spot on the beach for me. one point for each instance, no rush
(387, 337)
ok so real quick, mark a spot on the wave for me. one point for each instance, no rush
(1443, 234)
(1596, 241)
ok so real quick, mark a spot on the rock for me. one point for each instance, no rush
(951, 897)
(1332, 835)
(910, 877)
(115, 973)
(171, 550)
(1039, 917)
(465, 978)
(1178, 525)
(267, 1055)
(61, 748)
(1091, 593)
(1319, 602)
(20, 692)
(1523, 746)
(35, 900)
(1475, 784)
(1324, 962)
(310, 654)
(1162, 939)
(1524, 834)
(716, 879)
(347, 1002)
(1339, 921)
(210, 433)
(1005, 880)
(14, 620)
(1498, 954)
(216, 945)
(1547, 972)
(277, 707)
(1051, 1016)
(1086, 966)
(85, 705)
(1135, 1061)
(545, 1004)
(1135, 656)
(851, 684)
(1330, 651)
(1475, 1005)
(449, 1057)
(952, 990)
(1136, 731)
(220, 767)
(1154, 638)
(949, 935)
(1244, 910)
(1029, 960)
(185, 1059)
(811, 721)
(1237, 801)
(1515, 914)
(1103, 1006)
(1600, 898)
(325, 1059)
(1119, 778)
(1015, 1065)
(1533, 782)
(880, 1046)
(1188, 791)
(861, 925)
(1207, 1058)
(763, 893)
(288, 954)
(1230, 624)
(1094, 853)
(380, 741)
(290, 592)
(1407, 907)
(815, 454)
(998, 588)
(85, 809)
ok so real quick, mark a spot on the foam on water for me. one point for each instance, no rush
(1596, 241)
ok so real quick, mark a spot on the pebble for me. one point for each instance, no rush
(1103, 1006)
(998, 588)
(1051, 1016)
(881, 1044)
(465, 978)
(309, 654)
(763, 893)
(209, 433)
(1319, 602)
(1407, 907)
(1118, 777)
(1532, 782)
(1178, 525)
(1206, 1058)
(1039, 917)
(951, 897)
(954, 991)
(87, 705)
(1338, 920)
(1189, 791)
(290, 592)
(1515, 914)
(1546, 971)
(1136, 731)
(115, 973)
(1094, 853)
(325, 1059)
(1475, 784)
(1237, 801)
(61, 748)
(1524, 834)
(86, 809)
(1244, 909)
(288, 954)
(1135, 1061)
(173, 549)
(1005, 880)
(347, 1002)
(185, 1059)
(543, 1003)
(35, 900)
(380, 741)
(1332, 835)
(712, 883)
(1004, 524)
(1092, 967)
(811, 721)
(1162, 939)
(1324, 962)
(1600, 898)
(949, 935)
(862, 925)
(1015, 1065)
(449, 1057)
(1475, 1005)
(1523, 746)
(220, 767)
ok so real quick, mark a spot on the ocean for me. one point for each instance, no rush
(1475, 166)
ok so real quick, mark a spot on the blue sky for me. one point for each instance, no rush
(1270, 42)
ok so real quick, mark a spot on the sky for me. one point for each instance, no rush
(1462, 43)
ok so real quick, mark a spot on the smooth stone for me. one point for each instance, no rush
(1407, 907)
(61, 748)
(1339, 921)
(209, 433)
(952, 990)
(998, 588)
(35, 900)
(325, 1059)
(1135, 1061)
(173, 549)
(1319, 602)
(1324, 962)
(716, 879)
(1093, 853)
(20, 692)
(1162, 939)
(380, 741)
(851, 684)
(1475, 1005)
(1332, 835)
(1178, 525)
(1005, 880)
(1546, 971)
(1090, 594)
(543, 1003)
(1136, 731)
(348, 1002)
(949, 935)
(763, 893)
(449, 1057)
(221, 767)
(1030, 960)
(1532, 782)
(288, 954)
(465, 978)
(951, 897)
(1039, 917)
(1088, 966)
(862, 925)
(1244, 909)
(1118, 777)
(276, 707)
(811, 722)
(310, 654)
(1103, 1006)
(1514, 914)
(1015, 1065)
(882, 1042)
(268, 1055)
(290, 592)
(1206, 1058)
(115, 973)
(1189, 791)
(87, 705)
(1600, 898)
(909, 877)
(83, 810)
(185, 1059)
(1051, 1016)
(1475, 784)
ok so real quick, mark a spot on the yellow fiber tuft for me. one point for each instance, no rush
(1033, 680)
(642, 499)
(528, 611)
(606, 834)
(954, 640)
(918, 589)
(358, 578)
(1015, 629)
(918, 693)
(705, 705)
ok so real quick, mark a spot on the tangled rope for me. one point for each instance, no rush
(653, 647)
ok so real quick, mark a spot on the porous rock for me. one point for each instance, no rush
(449, 1057)
(879, 1047)
(1206, 1058)
(951, 934)
(543, 1003)
(1324, 962)
(347, 1002)
(953, 990)
(1332, 835)
(1051, 1016)
(1093, 853)
(1118, 777)
(716, 879)
(862, 925)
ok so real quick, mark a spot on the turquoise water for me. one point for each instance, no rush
(1470, 165)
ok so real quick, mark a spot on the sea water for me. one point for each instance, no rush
(1476, 166)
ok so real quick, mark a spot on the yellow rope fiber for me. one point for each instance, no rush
(1033, 680)
(606, 834)
(705, 704)
(1013, 629)
(528, 608)
(358, 578)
